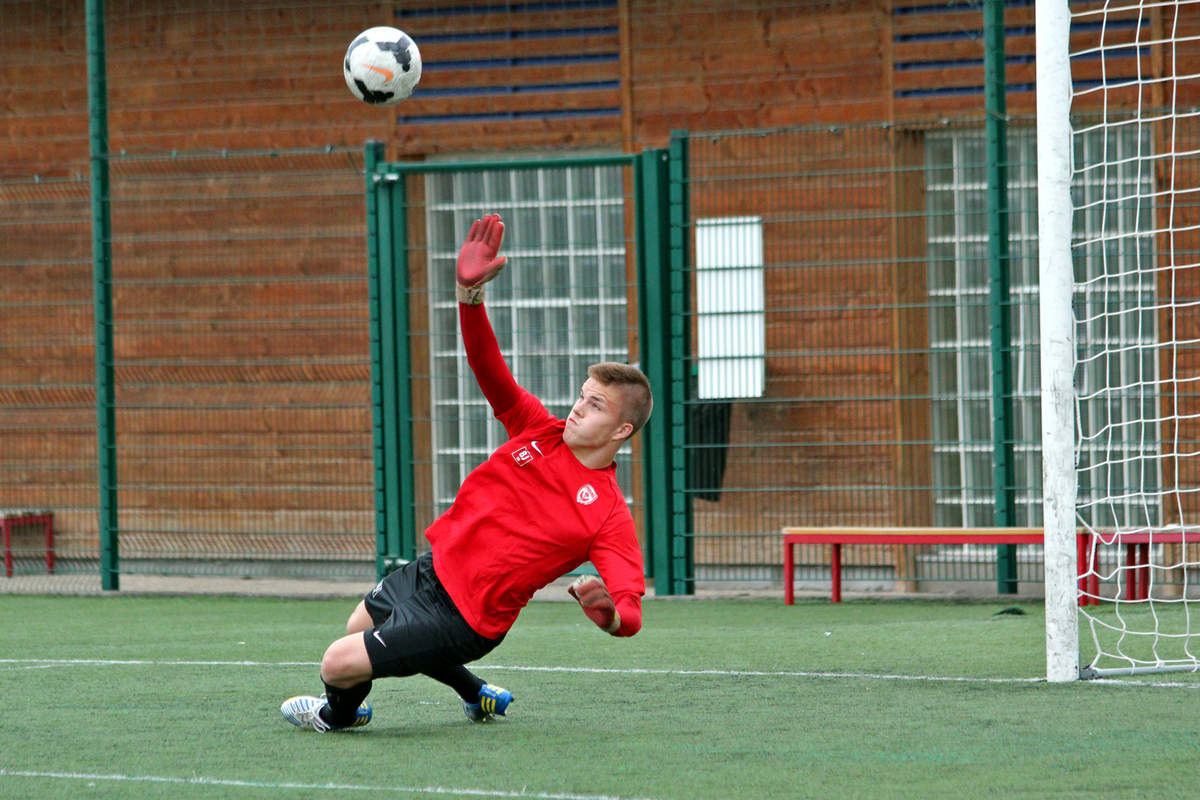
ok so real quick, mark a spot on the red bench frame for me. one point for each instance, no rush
(1137, 551)
(1137, 560)
(10, 518)
(836, 537)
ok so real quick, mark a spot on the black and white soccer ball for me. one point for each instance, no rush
(382, 66)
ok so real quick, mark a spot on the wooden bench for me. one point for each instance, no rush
(836, 537)
(20, 517)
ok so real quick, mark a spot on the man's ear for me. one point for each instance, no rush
(623, 431)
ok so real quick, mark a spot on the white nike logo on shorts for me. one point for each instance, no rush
(380, 638)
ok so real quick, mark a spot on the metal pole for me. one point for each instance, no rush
(653, 303)
(389, 340)
(1055, 292)
(998, 284)
(372, 156)
(403, 541)
(106, 426)
(679, 241)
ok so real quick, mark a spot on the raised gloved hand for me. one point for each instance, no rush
(597, 603)
(478, 261)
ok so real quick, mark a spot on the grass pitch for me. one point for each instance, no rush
(178, 697)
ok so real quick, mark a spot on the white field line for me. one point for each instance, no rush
(331, 787)
(46, 663)
(1163, 684)
(50, 663)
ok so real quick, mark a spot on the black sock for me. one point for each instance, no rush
(461, 680)
(343, 704)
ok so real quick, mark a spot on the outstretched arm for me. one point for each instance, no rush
(619, 616)
(478, 263)
(483, 354)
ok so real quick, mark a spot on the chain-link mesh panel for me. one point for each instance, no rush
(47, 400)
(241, 364)
(567, 298)
(842, 365)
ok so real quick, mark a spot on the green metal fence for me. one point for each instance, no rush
(839, 324)
(240, 363)
(817, 310)
(882, 284)
(850, 315)
(574, 290)
(47, 401)
(814, 307)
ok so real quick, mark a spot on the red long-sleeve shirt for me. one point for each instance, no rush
(532, 512)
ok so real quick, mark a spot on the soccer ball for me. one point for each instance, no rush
(382, 66)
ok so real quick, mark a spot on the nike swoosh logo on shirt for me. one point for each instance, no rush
(535, 447)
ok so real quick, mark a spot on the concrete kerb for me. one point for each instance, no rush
(83, 584)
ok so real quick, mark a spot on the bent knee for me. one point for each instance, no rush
(346, 663)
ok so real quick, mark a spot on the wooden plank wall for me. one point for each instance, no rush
(714, 65)
(503, 76)
(43, 124)
(828, 416)
(262, 75)
(1177, 141)
(47, 401)
(190, 74)
(239, 280)
(47, 408)
(241, 355)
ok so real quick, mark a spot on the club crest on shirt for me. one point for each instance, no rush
(522, 456)
(586, 495)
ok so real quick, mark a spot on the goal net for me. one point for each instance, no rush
(1119, 228)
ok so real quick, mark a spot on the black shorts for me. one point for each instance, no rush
(418, 629)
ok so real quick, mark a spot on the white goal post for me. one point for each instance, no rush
(1118, 123)
(1056, 281)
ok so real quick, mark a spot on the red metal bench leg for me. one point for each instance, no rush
(835, 569)
(1144, 570)
(1131, 572)
(1137, 565)
(8, 560)
(48, 523)
(1081, 566)
(789, 574)
(1089, 581)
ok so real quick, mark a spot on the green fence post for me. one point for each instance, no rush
(655, 319)
(683, 567)
(403, 539)
(998, 296)
(106, 425)
(391, 392)
(372, 157)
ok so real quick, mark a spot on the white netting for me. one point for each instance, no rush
(1136, 253)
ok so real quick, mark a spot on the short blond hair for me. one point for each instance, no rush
(634, 386)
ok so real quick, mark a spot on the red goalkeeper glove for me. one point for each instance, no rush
(597, 603)
(477, 259)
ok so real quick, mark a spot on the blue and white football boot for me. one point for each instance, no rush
(493, 702)
(304, 711)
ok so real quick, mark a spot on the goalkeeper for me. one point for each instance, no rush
(545, 502)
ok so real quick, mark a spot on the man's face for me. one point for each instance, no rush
(595, 418)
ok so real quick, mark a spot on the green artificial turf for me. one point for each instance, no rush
(179, 697)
